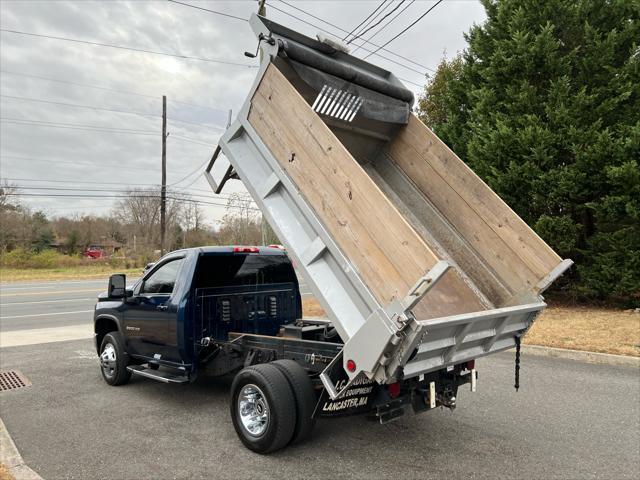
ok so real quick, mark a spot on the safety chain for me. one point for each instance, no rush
(517, 384)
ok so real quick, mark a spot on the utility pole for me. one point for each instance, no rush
(163, 189)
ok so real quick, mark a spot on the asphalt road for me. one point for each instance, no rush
(569, 420)
(25, 306)
(37, 305)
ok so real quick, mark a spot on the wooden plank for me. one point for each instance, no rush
(284, 140)
(496, 214)
(356, 191)
(483, 240)
(388, 254)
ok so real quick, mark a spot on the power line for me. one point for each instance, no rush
(121, 47)
(368, 17)
(11, 179)
(364, 42)
(55, 162)
(98, 87)
(93, 189)
(208, 10)
(76, 127)
(89, 182)
(78, 195)
(189, 140)
(407, 28)
(200, 168)
(371, 27)
(373, 19)
(105, 109)
(77, 105)
(376, 33)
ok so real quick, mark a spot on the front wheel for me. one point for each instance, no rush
(263, 408)
(113, 360)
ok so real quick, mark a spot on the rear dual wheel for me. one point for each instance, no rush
(272, 405)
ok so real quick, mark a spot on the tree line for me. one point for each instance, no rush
(544, 105)
(133, 226)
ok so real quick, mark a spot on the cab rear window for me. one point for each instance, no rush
(239, 270)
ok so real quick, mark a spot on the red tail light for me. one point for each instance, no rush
(471, 364)
(246, 250)
(351, 365)
(394, 389)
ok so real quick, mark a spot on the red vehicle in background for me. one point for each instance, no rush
(94, 252)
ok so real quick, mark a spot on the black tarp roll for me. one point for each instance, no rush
(325, 63)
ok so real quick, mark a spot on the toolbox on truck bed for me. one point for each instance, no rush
(418, 263)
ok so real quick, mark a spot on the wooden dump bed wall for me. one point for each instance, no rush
(384, 249)
(500, 237)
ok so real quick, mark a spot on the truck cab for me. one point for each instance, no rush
(197, 293)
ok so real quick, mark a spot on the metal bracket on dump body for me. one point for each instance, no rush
(378, 348)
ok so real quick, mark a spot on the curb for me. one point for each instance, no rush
(583, 356)
(11, 458)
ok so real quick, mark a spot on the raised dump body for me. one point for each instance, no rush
(418, 263)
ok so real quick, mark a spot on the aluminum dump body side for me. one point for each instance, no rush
(417, 262)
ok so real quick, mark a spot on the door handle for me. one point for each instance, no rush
(162, 307)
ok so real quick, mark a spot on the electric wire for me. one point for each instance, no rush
(89, 182)
(382, 19)
(405, 29)
(169, 197)
(88, 128)
(98, 87)
(373, 19)
(106, 109)
(208, 10)
(134, 49)
(68, 162)
(362, 22)
(364, 42)
(363, 48)
(377, 32)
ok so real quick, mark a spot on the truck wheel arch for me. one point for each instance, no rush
(103, 325)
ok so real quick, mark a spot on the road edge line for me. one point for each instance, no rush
(10, 456)
(582, 355)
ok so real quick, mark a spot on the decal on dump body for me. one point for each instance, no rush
(356, 399)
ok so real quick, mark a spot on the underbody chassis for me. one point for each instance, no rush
(300, 343)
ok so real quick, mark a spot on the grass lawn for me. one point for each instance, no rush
(63, 273)
(579, 328)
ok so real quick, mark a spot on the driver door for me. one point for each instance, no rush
(149, 314)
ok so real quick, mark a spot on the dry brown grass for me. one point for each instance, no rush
(4, 473)
(585, 328)
(65, 273)
(578, 328)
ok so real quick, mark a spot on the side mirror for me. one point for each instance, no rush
(117, 286)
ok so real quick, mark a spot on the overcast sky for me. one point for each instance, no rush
(45, 144)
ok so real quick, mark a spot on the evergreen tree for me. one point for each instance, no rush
(545, 106)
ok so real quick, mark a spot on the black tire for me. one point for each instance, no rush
(305, 398)
(275, 397)
(115, 371)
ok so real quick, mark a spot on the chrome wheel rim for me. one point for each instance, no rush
(108, 360)
(253, 410)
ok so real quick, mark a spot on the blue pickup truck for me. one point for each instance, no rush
(238, 310)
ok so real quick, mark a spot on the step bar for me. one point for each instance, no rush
(158, 375)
